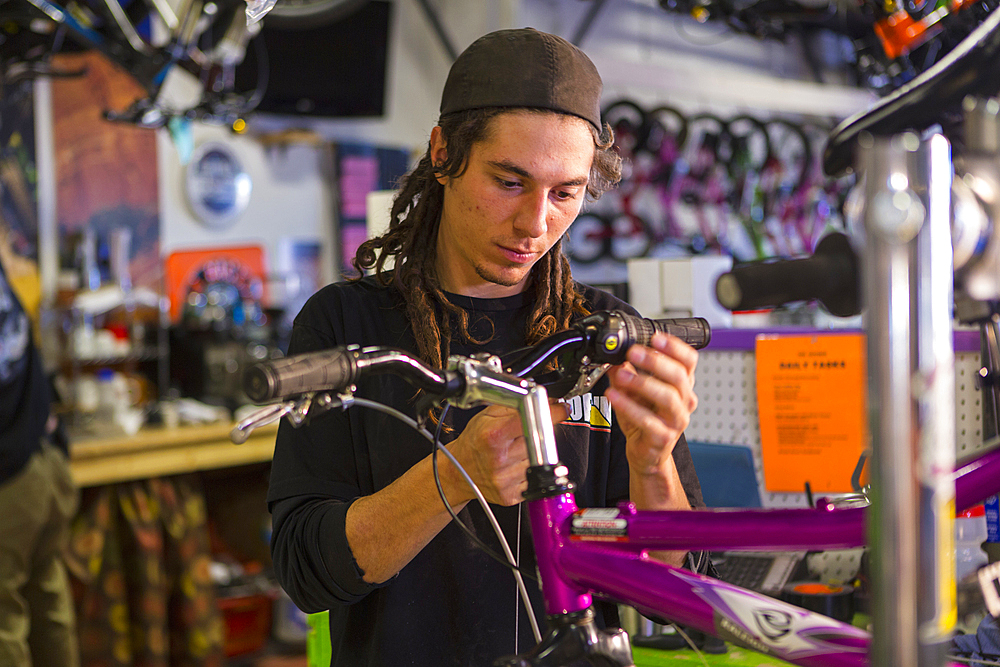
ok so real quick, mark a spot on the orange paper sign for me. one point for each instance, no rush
(811, 397)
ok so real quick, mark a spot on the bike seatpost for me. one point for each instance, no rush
(908, 291)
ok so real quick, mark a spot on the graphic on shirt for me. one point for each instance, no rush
(14, 334)
(591, 411)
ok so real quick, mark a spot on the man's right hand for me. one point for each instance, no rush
(492, 450)
(408, 513)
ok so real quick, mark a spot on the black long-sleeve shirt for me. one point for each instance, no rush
(452, 604)
(24, 388)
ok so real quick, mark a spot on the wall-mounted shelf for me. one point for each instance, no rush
(158, 451)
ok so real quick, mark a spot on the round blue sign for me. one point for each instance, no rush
(218, 188)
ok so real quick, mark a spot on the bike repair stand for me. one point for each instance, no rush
(907, 292)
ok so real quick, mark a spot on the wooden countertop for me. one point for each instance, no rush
(158, 451)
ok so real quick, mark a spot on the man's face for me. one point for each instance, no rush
(524, 185)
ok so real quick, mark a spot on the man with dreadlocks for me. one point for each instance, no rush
(475, 237)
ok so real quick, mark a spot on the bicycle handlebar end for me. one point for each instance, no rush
(614, 332)
(695, 331)
(300, 374)
(728, 292)
(830, 276)
(238, 435)
(258, 383)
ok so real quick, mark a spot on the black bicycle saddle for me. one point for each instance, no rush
(972, 67)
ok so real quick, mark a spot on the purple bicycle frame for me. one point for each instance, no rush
(611, 562)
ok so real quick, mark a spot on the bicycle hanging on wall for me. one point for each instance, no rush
(184, 58)
(744, 186)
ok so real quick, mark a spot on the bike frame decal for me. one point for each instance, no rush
(771, 626)
(599, 523)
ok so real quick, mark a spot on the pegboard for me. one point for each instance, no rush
(726, 385)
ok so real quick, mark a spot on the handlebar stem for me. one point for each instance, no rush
(486, 383)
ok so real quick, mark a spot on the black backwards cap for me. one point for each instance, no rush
(524, 68)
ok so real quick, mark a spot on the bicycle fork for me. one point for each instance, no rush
(572, 634)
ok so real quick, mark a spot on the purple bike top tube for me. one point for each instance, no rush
(606, 558)
(976, 480)
(756, 529)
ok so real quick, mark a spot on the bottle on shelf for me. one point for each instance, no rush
(105, 321)
(970, 533)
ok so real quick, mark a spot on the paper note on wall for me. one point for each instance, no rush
(358, 177)
(811, 397)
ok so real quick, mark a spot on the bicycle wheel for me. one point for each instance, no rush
(628, 122)
(792, 147)
(630, 237)
(586, 240)
(746, 144)
(311, 13)
(667, 132)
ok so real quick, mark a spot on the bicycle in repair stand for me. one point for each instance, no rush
(928, 244)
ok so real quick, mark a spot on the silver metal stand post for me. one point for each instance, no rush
(907, 291)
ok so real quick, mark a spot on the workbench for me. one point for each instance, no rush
(157, 451)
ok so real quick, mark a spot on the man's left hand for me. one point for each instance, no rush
(653, 397)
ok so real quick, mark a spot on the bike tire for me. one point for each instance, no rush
(791, 146)
(291, 14)
(587, 239)
(630, 237)
(665, 121)
(628, 122)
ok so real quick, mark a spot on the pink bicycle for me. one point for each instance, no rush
(931, 251)
(601, 553)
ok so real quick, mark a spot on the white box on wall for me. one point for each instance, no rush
(378, 207)
(679, 287)
(378, 216)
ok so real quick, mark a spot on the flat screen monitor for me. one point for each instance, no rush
(336, 70)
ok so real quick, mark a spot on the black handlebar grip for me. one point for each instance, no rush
(695, 331)
(327, 370)
(830, 276)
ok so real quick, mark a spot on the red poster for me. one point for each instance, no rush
(242, 267)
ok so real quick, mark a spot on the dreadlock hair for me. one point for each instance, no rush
(411, 239)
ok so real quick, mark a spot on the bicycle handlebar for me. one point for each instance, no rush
(695, 331)
(300, 374)
(601, 338)
(829, 276)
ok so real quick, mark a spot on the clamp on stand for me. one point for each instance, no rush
(573, 638)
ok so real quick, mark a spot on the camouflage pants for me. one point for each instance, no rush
(36, 606)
